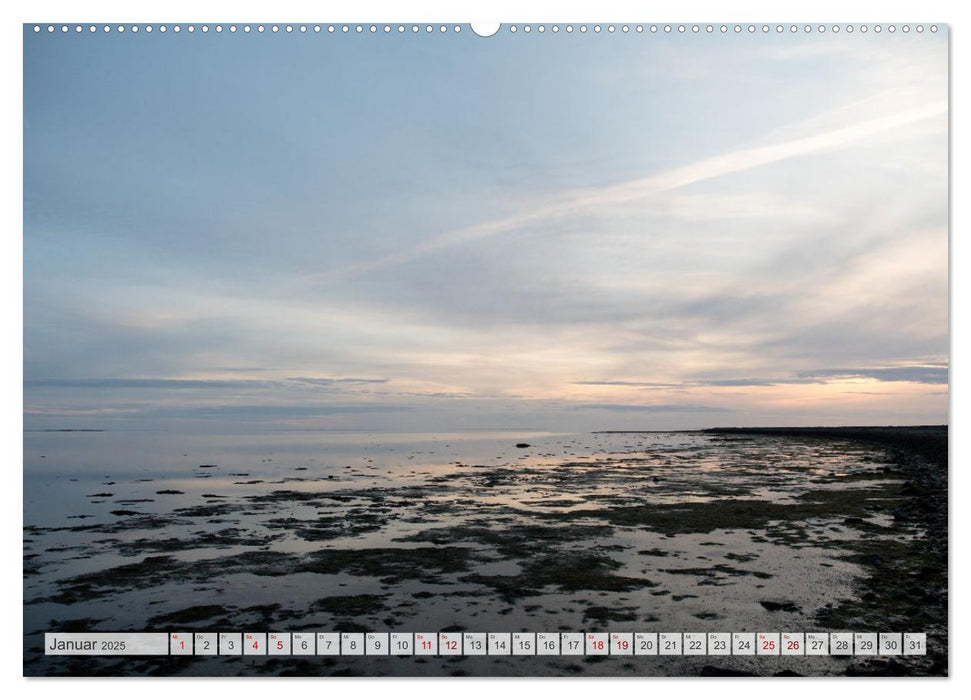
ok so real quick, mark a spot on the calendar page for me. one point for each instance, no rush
(514, 349)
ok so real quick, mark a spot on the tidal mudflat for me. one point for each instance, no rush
(691, 531)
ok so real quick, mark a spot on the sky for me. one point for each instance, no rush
(445, 232)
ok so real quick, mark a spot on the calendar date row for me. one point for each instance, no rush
(486, 644)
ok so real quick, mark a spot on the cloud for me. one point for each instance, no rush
(651, 385)
(121, 383)
(277, 411)
(753, 382)
(921, 374)
(260, 412)
(220, 384)
(327, 381)
(579, 201)
(651, 408)
(931, 373)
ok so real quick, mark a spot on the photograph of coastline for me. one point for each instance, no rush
(556, 330)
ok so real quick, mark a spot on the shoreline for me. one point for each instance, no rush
(914, 577)
(929, 441)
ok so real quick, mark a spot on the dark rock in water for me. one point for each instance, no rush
(207, 466)
(853, 521)
(125, 512)
(709, 671)
(195, 613)
(603, 614)
(349, 626)
(776, 605)
(84, 624)
(522, 445)
(909, 489)
(165, 492)
(351, 604)
(878, 667)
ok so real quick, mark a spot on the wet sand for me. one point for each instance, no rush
(726, 530)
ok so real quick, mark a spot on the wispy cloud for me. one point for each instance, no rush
(651, 408)
(579, 201)
(651, 385)
(123, 383)
(278, 411)
(328, 381)
(921, 374)
(931, 373)
(214, 384)
(752, 382)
